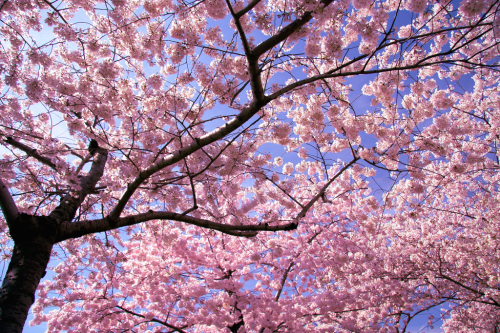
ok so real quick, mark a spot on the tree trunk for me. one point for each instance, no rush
(26, 268)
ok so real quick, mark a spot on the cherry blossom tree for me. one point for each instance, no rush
(250, 166)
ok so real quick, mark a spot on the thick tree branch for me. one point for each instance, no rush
(72, 201)
(285, 32)
(30, 152)
(268, 44)
(253, 60)
(248, 8)
(237, 22)
(255, 79)
(77, 229)
(3, 4)
(9, 208)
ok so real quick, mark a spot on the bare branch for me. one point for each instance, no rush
(30, 152)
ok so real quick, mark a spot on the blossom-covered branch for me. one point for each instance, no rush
(30, 152)
(78, 229)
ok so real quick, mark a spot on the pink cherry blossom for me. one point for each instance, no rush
(250, 166)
